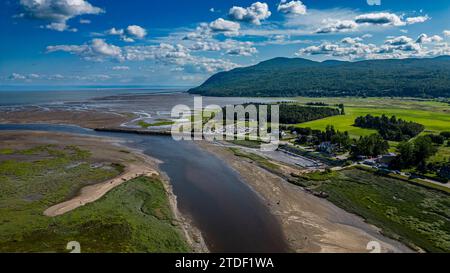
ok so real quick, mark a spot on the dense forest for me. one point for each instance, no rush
(294, 113)
(390, 128)
(300, 77)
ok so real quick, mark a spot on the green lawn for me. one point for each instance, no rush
(134, 217)
(410, 213)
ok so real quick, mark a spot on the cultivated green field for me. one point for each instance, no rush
(134, 217)
(434, 115)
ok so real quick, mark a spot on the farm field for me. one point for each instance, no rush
(434, 115)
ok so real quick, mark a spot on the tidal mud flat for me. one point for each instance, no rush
(114, 111)
(84, 118)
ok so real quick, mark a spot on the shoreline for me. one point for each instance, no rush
(310, 224)
(192, 234)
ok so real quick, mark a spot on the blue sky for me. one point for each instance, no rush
(178, 42)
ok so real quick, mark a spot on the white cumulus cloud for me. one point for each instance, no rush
(57, 12)
(425, 39)
(226, 27)
(174, 55)
(129, 34)
(416, 20)
(381, 18)
(136, 31)
(254, 14)
(392, 48)
(338, 26)
(292, 7)
(114, 31)
(96, 50)
(386, 18)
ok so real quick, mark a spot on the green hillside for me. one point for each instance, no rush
(284, 77)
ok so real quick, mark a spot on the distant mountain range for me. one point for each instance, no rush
(301, 77)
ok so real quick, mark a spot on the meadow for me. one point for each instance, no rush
(134, 217)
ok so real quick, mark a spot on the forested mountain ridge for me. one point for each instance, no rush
(428, 77)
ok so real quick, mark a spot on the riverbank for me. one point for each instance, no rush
(310, 224)
(89, 172)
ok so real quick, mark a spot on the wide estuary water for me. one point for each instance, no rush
(231, 217)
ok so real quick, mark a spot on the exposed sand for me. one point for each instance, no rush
(310, 224)
(92, 193)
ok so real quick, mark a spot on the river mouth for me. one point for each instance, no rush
(230, 215)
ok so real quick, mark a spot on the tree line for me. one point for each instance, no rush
(392, 128)
(294, 114)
